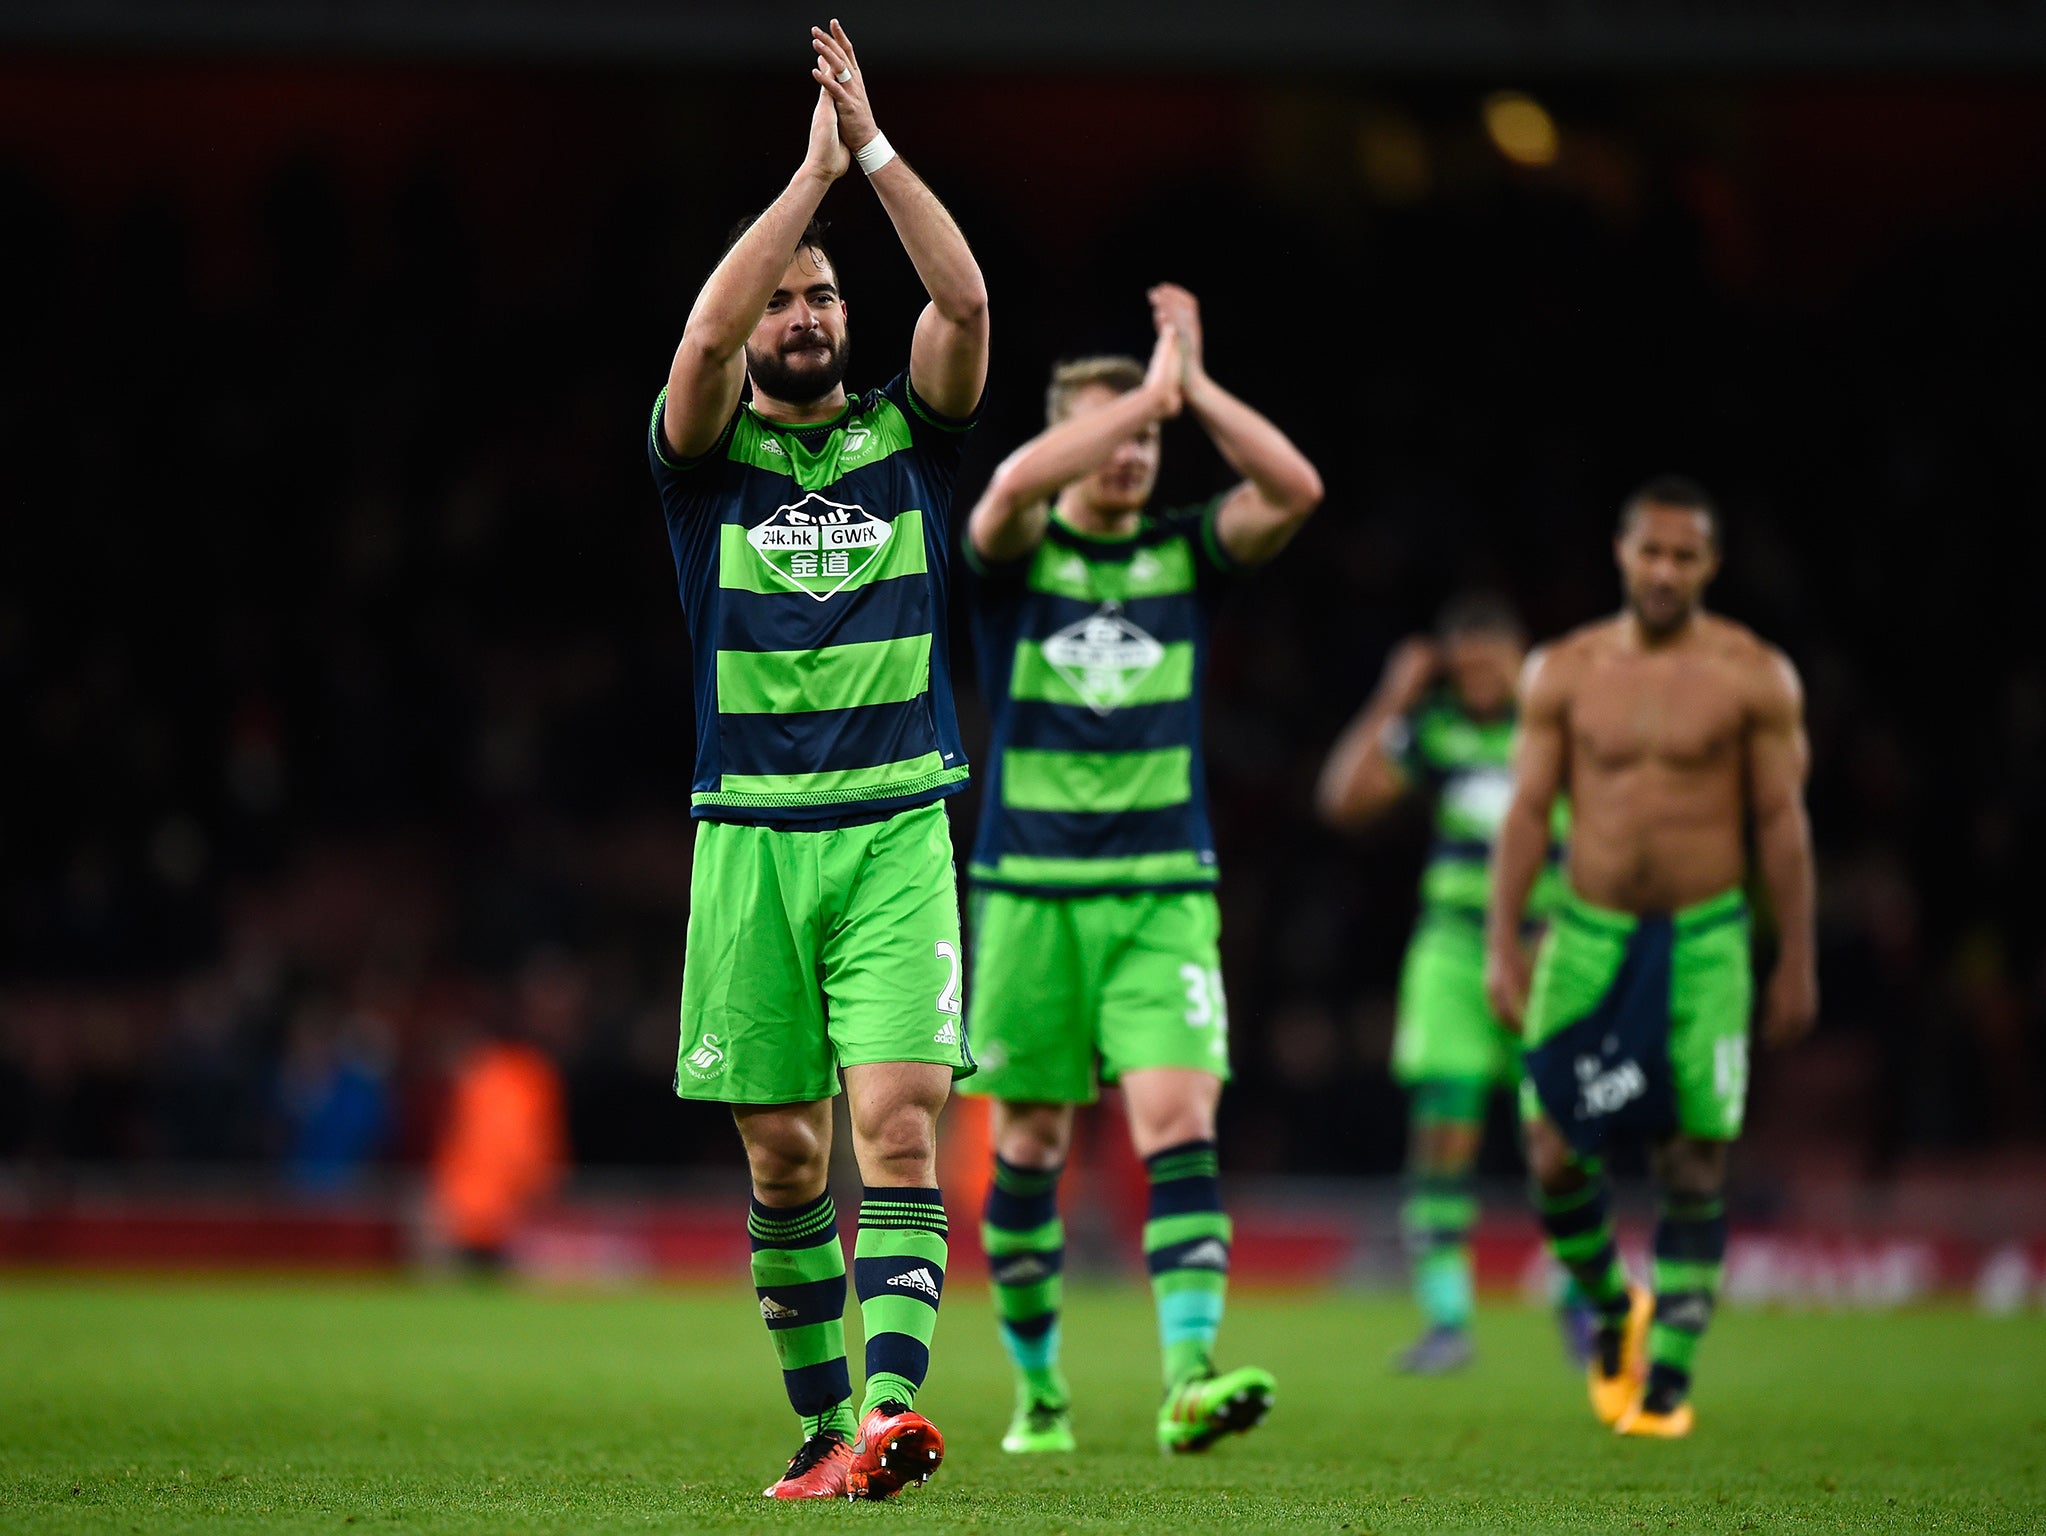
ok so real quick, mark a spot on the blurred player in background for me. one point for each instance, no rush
(1442, 720)
(1671, 730)
(502, 1149)
(1095, 922)
(809, 529)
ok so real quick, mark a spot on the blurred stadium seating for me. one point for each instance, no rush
(345, 689)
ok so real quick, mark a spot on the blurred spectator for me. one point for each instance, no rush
(502, 1149)
(333, 1097)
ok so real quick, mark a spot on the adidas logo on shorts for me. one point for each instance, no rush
(1208, 1255)
(772, 1311)
(920, 1280)
(948, 1034)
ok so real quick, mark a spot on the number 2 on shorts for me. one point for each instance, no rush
(948, 999)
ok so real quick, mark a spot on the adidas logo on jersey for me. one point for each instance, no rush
(1020, 1270)
(948, 1034)
(1208, 1255)
(920, 1280)
(772, 1311)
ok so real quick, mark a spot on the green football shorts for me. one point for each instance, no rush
(811, 951)
(1073, 991)
(1638, 1025)
(1446, 1029)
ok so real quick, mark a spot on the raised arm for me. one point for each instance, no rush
(1008, 520)
(1280, 487)
(710, 365)
(1778, 759)
(1362, 778)
(1540, 755)
(948, 357)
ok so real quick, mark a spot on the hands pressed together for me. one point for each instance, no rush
(1175, 365)
(843, 121)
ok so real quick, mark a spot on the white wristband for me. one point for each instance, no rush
(875, 153)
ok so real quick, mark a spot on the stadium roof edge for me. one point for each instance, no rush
(1426, 36)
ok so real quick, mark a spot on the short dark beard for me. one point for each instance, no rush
(1655, 631)
(773, 377)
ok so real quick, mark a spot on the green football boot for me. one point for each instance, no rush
(1039, 1427)
(1201, 1411)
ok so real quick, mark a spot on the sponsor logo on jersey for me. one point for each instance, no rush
(1104, 657)
(948, 1034)
(818, 546)
(920, 1280)
(1478, 799)
(706, 1059)
(1208, 1255)
(773, 1311)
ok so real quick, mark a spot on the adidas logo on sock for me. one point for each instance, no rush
(918, 1279)
(948, 1035)
(772, 1311)
(1208, 1255)
(1016, 1271)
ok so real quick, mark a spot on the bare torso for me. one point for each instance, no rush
(1656, 759)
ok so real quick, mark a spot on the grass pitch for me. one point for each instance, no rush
(245, 1406)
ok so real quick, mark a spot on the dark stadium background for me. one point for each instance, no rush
(346, 694)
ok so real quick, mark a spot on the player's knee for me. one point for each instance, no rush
(1444, 1148)
(900, 1147)
(1173, 1125)
(1032, 1135)
(788, 1164)
(1693, 1169)
(1553, 1166)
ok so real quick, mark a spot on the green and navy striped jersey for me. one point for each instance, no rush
(1467, 764)
(813, 567)
(1091, 653)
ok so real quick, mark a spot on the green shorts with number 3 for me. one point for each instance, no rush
(1070, 992)
(811, 951)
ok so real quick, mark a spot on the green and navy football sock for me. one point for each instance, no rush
(799, 1275)
(1690, 1252)
(1026, 1254)
(1186, 1248)
(1579, 1227)
(899, 1272)
(1436, 1221)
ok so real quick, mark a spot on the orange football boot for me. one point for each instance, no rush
(1612, 1395)
(897, 1448)
(1640, 1420)
(817, 1471)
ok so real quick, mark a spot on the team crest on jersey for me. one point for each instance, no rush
(819, 546)
(1104, 657)
(1480, 796)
